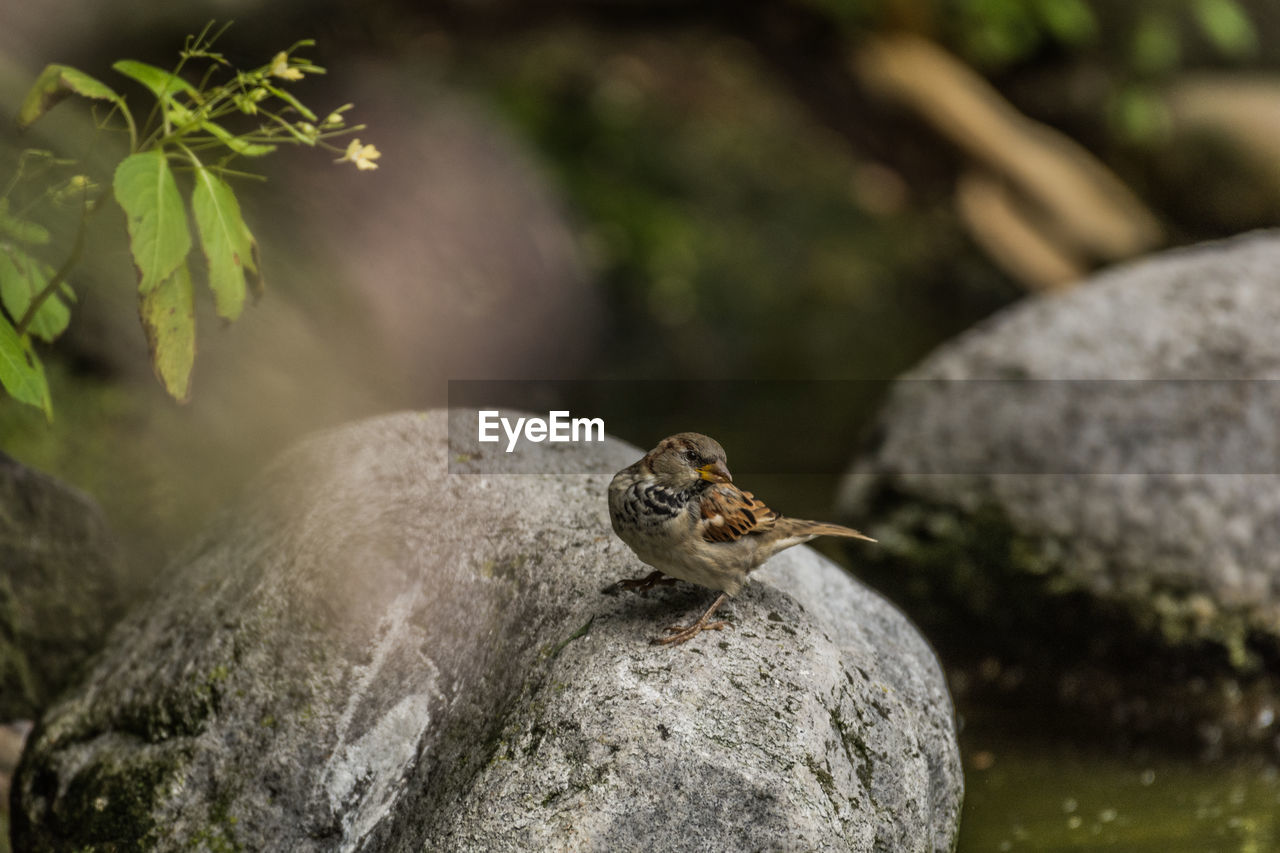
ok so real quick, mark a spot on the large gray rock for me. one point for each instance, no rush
(60, 588)
(1102, 537)
(372, 654)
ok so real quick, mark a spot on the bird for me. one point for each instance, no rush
(679, 511)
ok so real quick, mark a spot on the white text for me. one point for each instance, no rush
(558, 426)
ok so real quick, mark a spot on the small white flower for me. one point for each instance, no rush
(362, 155)
(281, 68)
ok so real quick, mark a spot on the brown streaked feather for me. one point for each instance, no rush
(728, 513)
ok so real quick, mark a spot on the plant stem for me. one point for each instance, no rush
(56, 280)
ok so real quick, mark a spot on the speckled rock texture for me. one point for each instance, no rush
(60, 587)
(370, 653)
(1115, 543)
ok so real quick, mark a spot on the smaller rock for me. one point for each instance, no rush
(59, 590)
(1086, 488)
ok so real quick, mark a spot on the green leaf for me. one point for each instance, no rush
(228, 245)
(15, 290)
(21, 278)
(1155, 48)
(163, 84)
(21, 230)
(158, 235)
(54, 85)
(235, 143)
(1071, 22)
(998, 32)
(21, 373)
(1227, 25)
(1140, 115)
(168, 314)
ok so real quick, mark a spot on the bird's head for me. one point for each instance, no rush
(687, 459)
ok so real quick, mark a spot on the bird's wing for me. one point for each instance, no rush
(728, 514)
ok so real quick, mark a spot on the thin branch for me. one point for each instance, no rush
(60, 276)
(120, 107)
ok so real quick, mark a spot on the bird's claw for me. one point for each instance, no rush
(645, 583)
(684, 633)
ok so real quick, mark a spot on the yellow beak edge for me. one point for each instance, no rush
(715, 472)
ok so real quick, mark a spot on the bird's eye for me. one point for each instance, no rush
(691, 455)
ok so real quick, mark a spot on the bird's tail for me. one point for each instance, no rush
(799, 527)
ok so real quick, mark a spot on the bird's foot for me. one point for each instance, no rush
(684, 633)
(645, 583)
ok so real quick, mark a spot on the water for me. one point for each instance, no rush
(1048, 793)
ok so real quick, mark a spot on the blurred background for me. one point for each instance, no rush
(662, 190)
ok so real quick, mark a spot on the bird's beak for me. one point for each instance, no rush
(715, 472)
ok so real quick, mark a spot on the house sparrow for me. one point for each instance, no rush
(678, 509)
